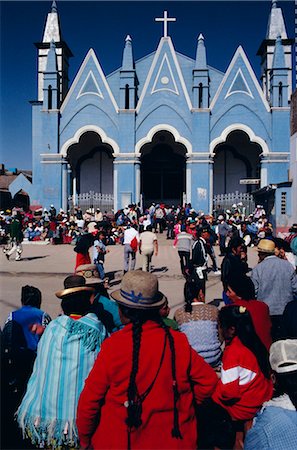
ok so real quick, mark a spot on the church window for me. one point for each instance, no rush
(200, 96)
(283, 203)
(50, 98)
(280, 94)
(127, 105)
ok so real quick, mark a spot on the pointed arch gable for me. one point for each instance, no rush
(90, 55)
(164, 41)
(163, 127)
(75, 139)
(239, 127)
(240, 53)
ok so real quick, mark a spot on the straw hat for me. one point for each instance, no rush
(139, 290)
(72, 285)
(283, 356)
(266, 246)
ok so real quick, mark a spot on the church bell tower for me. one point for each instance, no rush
(52, 33)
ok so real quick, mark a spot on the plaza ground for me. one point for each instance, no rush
(46, 266)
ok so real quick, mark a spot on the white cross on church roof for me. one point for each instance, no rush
(165, 19)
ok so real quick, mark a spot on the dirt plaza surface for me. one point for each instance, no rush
(46, 266)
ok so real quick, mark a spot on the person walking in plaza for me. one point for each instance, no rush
(100, 251)
(223, 231)
(131, 239)
(184, 243)
(198, 263)
(159, 217)
(275, 283)
(15, 232)
(170, 219)
(145, 379)
(275, 426)
(66, 353)
(148, 246)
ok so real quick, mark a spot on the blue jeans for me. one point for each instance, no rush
(100, 269)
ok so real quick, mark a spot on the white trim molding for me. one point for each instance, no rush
(163, 127)
(239, 127)
(75, 139)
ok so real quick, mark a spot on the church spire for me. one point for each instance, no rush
(52, 33)
(128, 63)
(278, 56)
(54, 7)
(200, 54)
(51, 63)
(276, 23)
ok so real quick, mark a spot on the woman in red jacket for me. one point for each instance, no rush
(241, 292)
(245, 379)
(141, 391)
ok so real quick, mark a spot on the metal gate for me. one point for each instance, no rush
(244, 201)
(91, 201)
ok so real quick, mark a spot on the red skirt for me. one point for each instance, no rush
(81, 259)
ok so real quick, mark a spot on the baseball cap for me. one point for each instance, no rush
(283, 356)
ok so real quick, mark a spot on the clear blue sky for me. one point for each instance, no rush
(104, 26)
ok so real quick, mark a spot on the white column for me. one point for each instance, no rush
(189, 182)
(74, 193)
(115, 188)
(210, 186)
(64, 186)
(263, 176)
(137, 181)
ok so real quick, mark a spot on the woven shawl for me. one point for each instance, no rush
(66, 354)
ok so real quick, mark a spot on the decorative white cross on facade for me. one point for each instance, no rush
(165, 19)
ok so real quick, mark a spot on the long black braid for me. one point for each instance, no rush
(175, 432)
(134, 407)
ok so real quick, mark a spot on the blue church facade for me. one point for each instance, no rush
(164, 128)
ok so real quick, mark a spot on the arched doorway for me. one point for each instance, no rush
(236, 159)
(21, 200)
(163, 170)
(91, 163)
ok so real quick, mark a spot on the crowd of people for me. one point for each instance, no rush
(114, 371)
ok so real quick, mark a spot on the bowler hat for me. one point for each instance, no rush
(266, 246)
(72, 285)
(139, 290)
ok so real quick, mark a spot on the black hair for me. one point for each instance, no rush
(239, 318)
(242, 286)
(282, 244)
(31, 296)
(134, 410)
(77, 303)
(234, 243)
(286, 383)
(191, 290)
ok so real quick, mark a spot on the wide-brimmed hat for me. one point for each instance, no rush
(293, 228)
(90, 274)
(139, 290)
(283, 356)
(266, 246)
(72, 285)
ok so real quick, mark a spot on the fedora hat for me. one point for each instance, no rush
(92, 227)
(72, 285)
(90, 274)
(266, 246)
(139, 290)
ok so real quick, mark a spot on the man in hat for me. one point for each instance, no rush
(223, 231)
(275, 284)
(146, 378)
(15, 231)
(66, 353)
